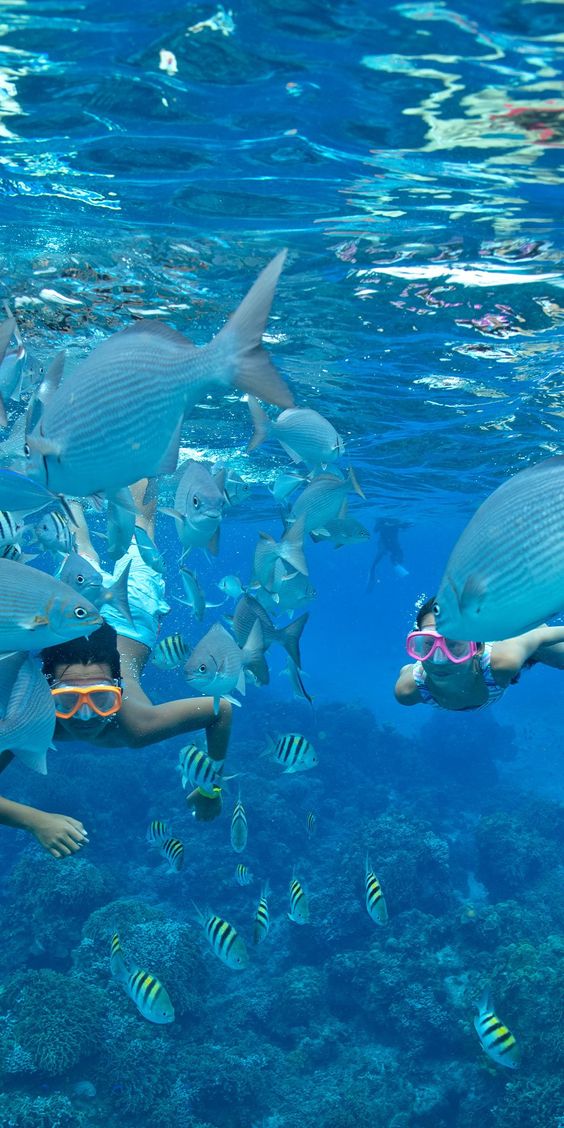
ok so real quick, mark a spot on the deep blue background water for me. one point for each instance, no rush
(409, 156)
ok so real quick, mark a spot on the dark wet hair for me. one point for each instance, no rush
(428, 608)
(100, 646)
(425, 609)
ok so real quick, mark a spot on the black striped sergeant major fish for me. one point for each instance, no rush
(239, 828)
(158, 831)
(170, 652)
(497, 1041)
(223, 940)
(262, 917)
(375, 903)
(299, 908)
(173, 850)
(199, 770)
(243, 875)
(294, 751)
(144, 989)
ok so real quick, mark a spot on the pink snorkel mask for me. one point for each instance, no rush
(423, 644)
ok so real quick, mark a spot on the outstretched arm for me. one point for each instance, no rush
(543, 644)
(58, 834)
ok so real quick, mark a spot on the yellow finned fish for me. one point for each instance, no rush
(145, 990)
(262, 918)
(299, 908)
(375, 904)
(497, 1041)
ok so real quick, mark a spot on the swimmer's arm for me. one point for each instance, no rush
(142, 723)
(405, 690)
(59, 835)
(544, 644)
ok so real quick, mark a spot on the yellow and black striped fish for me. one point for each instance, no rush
(311, 823)
(243, 875)
(223, 939)
(146, 991)
(198, 769)
(497, 1041)
(262, 918)
(294, 751)
(375, 904)
(299, 908)
(173, 850)
(158, 831)
(239, 829)
(170, 652)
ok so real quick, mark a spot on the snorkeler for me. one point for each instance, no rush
(96, 687)
(388, 530)
(469, 675)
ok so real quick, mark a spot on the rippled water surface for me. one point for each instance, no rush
(410, 157)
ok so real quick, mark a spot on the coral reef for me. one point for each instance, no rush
(51, 1021)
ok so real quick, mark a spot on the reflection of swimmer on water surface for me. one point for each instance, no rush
(388, 530)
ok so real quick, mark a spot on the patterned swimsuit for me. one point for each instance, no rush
(494, 691)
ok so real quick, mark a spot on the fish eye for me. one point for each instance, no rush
(80, 612)
(196, 501)
(436, 608)
(27, 450)
(80, 579)
(202, 669)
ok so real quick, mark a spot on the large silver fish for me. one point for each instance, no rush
(83, 577)
(198, 507)
(246, 613)
(217, 665)
(117, 417)
(323, 500)
(36, 610)
(505, 575)
(304, 434)
(28, 711)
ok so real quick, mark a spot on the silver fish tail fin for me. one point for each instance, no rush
(116, 595)
(117, 962)
(261, 423)
(251, 368)
(291, 547)
(289, 638)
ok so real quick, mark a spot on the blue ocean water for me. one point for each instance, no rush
(153, 159)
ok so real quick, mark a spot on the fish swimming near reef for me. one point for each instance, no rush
(311, 823)
(243, 875)
(294, 751)
(117, 416)
(145, 990)
(375, 903)
(497, 1041)
(199, 770)
(36, 610)
(173, 850)
(299, 907)
(262, 917)
(505, 574)
(239, 828)
(223, 939)
(158, 831)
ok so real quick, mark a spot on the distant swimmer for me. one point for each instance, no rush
(388, 530)
(96, 690)
(460, 675)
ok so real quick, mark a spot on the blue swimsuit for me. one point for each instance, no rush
(495, 691)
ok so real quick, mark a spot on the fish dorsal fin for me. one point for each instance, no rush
(159, 329)
(52, 378)
(167, 464)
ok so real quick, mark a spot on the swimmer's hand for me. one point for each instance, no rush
(59, 835)
(203, 808)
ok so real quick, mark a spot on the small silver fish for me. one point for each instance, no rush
(304, 434)
(27, 710)
(81, 575)
(323, 500)
(198, 508)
